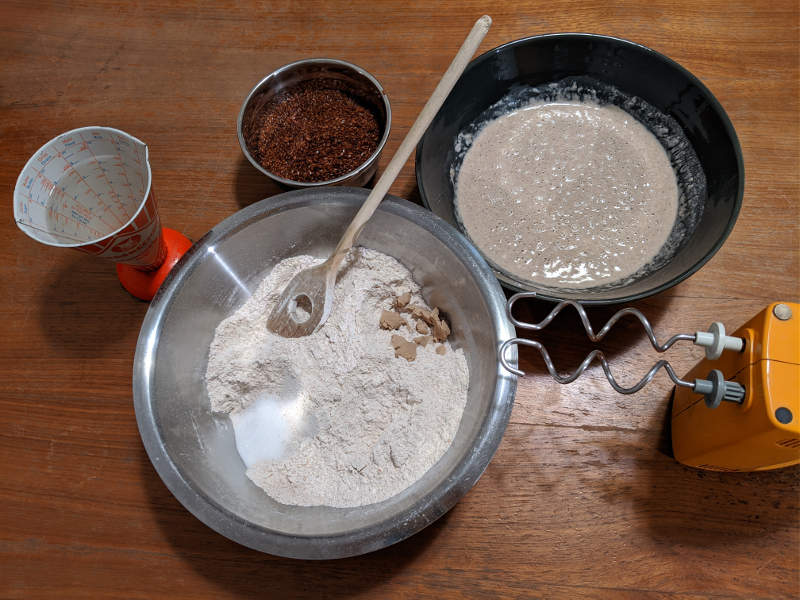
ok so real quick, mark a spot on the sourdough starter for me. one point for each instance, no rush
(567, 194)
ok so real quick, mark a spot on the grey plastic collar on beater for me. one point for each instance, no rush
(716, 389)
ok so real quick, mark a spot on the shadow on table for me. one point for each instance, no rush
(566, 341)
(410, 192)
(251, 185)
(249, 573)
(83, 309)
(702, 508)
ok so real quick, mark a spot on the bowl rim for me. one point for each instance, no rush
(429, 506)
(342, 178)
(545, 293)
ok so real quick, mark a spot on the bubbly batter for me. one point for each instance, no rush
(567, 194)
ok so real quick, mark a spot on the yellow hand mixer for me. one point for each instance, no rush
(736, 410)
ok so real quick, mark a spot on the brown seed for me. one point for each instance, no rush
(313, 132)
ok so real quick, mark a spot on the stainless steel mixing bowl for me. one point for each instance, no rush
(193, 450)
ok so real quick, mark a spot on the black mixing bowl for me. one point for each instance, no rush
(637, 72)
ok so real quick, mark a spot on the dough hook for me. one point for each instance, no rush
(715, 388)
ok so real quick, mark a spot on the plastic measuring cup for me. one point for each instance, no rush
(90, 189)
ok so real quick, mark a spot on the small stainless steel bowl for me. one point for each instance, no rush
(346, 76)
(193, 450)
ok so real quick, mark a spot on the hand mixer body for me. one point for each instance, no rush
(761, 433)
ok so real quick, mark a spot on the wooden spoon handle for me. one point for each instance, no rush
(412, 138)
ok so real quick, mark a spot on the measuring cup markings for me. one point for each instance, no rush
(116, 161)
(79, 191)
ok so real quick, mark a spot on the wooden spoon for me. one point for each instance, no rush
(315, 286)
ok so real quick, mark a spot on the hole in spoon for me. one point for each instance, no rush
(300, 310)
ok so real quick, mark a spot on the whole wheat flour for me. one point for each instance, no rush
(372, 423)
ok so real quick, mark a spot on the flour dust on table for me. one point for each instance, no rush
(354, 413)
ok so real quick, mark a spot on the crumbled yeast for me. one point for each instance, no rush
(427, 322)
(403, 348)
(392, 320)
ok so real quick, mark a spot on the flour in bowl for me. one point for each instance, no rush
(339, 418)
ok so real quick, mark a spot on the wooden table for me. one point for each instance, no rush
(580, 501)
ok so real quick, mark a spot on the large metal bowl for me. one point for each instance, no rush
(637, 71)
(193, 450)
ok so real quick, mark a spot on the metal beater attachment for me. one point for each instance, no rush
(714, 388)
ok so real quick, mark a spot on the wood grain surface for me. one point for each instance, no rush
(582, 499)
